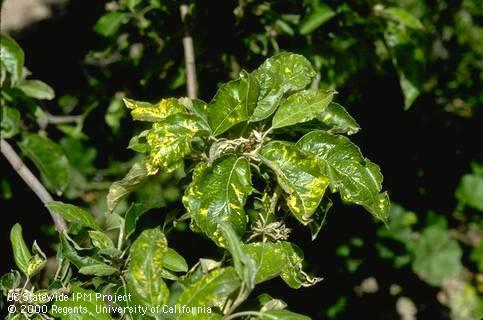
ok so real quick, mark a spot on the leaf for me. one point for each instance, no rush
(131, 4)
(122, 188)
(174, 261)
(109, 23)
(277, 76)
(282, 315)
(211, 290)
(436, 256)
(35, 264)
(68, 251)
(301, 107)
(100, 270)
(233, 103)
(219, 192)
(73, 214)
(403, 17)
(49, 158)
(132, 215)
(63, 309)
(10, 122)
(144, 111)
(170, 141)
(12, 57)
(357, 179)
(338, 120)
(36, 89)
(146, 268)
(21, 253)
(317, 16)
(470, 191)
(298, 174)
(318, 219)
(100, 240)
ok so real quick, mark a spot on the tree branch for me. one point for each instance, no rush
(31, 180)
(189, 54)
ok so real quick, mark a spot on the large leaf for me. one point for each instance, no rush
(277, 76)
(11, 57)
(357, 179)
(470, 191)
(233, 103)
(21, 253)
(92, 308)
(298, 174)
(219, 192)
(301, 107)
(9, 122)
(338, 120)
(144, 111)
(319, 14)
(122, 188)
(146, 268)
(49, 158)
(73, 214)
(211, 290)
(36, 89)
(170, 141)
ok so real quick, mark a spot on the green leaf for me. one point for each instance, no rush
(357, 179)
(219, 192)
(122, 188)
(144, 111)
(317, 16)
(170, 141)
(36, 89)
(298, 174)
(174, 261)
(35, 264)
(109, 23)
(403, 17)
(146, 268)
(73, 214)
(318, 219)
(470, 191)
(301, 107)
(233, 103)
(436, 255)
(21, 253)
(63, 309)
(12, 57)
(282, 315)
(49, 158)
(68, 251)
(277, 76)
(100, 240)
(338, 120)
(131, 4)
(10, 122)
(100, 270)
(132, 215)
(211, 290)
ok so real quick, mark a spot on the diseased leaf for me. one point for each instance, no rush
(233, 103)
(219, 192)
(174, 261)
(100, 240)
(298, 174)
(319, 14)
(68, 251)
(12, 57)
(470, 191)
(73, 214)
(122, 188)
(109, 23)
(301, 107)
(404, 17)
(36, 89)
(282, 315)
(100, 270)
(145, 111)
(338, 120)
(21, 253)
(357, 179)
(63, 309)
(146, 268)
(278, 75)
(49, 158)
(9, 122)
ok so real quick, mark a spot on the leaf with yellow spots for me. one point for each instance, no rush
(146, 269)
(219, 192)
(233, 103)
(338, 120)
(299, 175)
(357, 179)
(145, 111)
(283, 73)
(301, 107)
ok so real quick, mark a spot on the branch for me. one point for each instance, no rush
(189, 54)
(54, 119)
(32, 181)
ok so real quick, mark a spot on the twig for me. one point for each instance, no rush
(31, 180)
(189, 53)
(53, 119)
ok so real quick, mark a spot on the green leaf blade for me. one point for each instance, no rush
(73, 214)
(12, 57)
(36, 89)
(21, 253)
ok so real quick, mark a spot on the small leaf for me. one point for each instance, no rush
(36, 89)
(318, 219)
(403, 17)
(49, 158)
(131, 4)
(298, 174)
(174, 261)
(122, 188)
(470, 191)
(233, 103)
(21, 253)
(10, 122)
(278, 75)
(68, 251)
(100, 270)
(301, 107)
(12, 57)
(219, 192)
(317, 16)
(109, 23)
(100, 240)
(132, 215)
(282, 315)
(357, 179)
(73, 214)
(338, 120)
(144, 111)
(35, 264)
(92, 308)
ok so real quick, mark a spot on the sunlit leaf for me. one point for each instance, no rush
(470, 191)
(122, 188)
(144, 111)
(36, 89)
(338, 120)
(10, 122)
(73, 214)
(109, 23)
(12, 57)
(21, 253)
